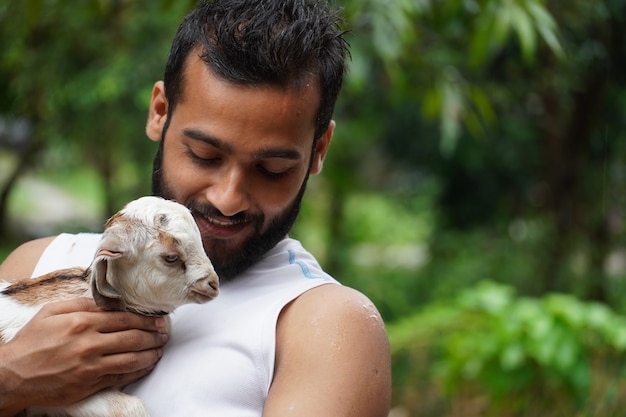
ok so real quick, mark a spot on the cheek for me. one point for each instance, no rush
(273, 210)
(179, 175)
(275, 197)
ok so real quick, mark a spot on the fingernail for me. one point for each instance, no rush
(160, 322)
(164, 337)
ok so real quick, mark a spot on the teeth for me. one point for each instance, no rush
(223, 224)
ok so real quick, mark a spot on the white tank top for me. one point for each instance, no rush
(219, 361)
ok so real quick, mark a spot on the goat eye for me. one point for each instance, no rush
(170, 258)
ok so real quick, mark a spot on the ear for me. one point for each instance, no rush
(157, 113)
(321, 147)
(103, 293)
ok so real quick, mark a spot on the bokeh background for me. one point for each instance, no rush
(475, 189)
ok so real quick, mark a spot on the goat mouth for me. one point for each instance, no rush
(202, 296)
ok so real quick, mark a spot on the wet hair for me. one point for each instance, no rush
(274, 43)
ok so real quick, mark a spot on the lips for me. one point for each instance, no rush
(219, 228)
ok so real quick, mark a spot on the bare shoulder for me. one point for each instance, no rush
(331, 340)
(335, 311)
(338, 304)
(22, 261)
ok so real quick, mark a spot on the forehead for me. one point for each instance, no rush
(266, 110)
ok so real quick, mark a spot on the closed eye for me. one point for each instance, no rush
(200, 160)
(274, 174)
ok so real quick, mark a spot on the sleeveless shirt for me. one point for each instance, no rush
(219, 360)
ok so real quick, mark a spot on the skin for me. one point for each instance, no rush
(249, 151)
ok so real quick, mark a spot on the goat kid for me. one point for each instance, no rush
(150, 260)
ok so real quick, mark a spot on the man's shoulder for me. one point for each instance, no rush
(326, 308)
(22, 261)
(337, 301)
(330, 338)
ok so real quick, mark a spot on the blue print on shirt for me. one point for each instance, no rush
(305, 269)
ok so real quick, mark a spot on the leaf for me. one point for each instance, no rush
(512, 357)
(431, 103)
(503, 21)
(546, 26)
(523, 26)
(452, 109)
(480, 44)
(483, 113)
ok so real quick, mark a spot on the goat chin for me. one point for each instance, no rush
(150, 260)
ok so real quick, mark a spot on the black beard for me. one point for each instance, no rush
(229, 263)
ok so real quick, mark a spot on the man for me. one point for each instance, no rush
(243, 117)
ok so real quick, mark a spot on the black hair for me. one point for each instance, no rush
(264, 42)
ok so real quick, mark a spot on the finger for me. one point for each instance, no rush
(116, 321)
(130, 341)
(131, 362)
(70, 306)
(88, 387)
(123, 378)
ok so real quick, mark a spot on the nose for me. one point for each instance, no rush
(229, 192)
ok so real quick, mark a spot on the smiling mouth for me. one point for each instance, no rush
(219, 228)
(223, 223)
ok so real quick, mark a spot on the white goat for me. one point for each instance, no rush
(150, 260)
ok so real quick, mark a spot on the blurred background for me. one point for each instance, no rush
(475, 189)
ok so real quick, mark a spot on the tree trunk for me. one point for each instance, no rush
(573, 203)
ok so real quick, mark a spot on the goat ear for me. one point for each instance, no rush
(104, 294)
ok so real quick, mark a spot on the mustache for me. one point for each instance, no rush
(209, 211)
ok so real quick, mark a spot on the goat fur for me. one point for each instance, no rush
(149, 260)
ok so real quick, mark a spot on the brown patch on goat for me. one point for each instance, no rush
(113, 219)
(55, 286)
(168, 241)
(171, 244)
(163, 220)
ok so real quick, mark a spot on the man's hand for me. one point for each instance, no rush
(72, 349)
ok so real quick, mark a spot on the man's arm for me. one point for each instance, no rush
(22, 261)
(71, 349)
(332, 357)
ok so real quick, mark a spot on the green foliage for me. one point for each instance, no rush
(387, 242)
(82, 74)
(450, 43)
(528, 20)
(527, 355)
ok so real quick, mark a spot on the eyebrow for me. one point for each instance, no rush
(266, 153)
(216, 143)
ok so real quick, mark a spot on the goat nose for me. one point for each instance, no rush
(214, 282)
(205, 288)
